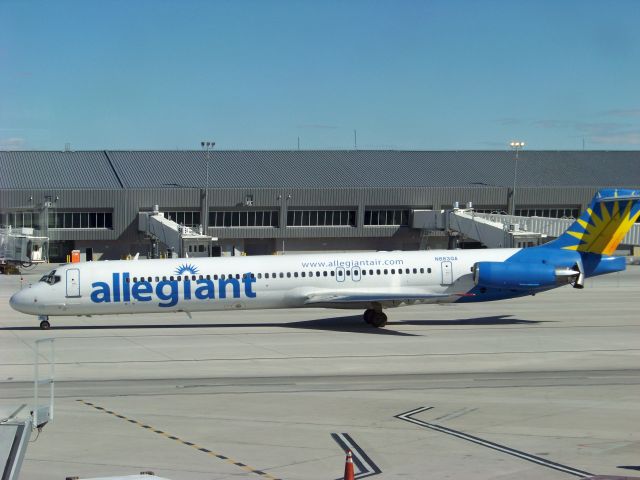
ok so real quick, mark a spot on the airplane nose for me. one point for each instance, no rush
(21, 300)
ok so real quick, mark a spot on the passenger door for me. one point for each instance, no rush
(447, 273)
(73, 282)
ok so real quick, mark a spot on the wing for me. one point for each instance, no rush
(362, 297)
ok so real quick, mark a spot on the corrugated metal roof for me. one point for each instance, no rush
(44, 170)
(317, 169)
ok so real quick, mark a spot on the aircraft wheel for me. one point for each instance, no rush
(379, 319)
(368, 315)
(45, 325)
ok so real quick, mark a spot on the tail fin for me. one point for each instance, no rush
(601, 228)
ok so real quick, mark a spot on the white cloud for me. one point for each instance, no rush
(621, 138)
(623, 112)
(14, 143)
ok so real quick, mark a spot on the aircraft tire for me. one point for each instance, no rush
(45, 325)
(368, 315)
(379, 319)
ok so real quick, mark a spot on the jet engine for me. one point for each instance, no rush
(521, 276)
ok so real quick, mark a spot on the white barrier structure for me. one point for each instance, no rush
(21, 246)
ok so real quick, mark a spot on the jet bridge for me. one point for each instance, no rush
(21, 246)
(498, 230)
(184, 241)
(465, 223)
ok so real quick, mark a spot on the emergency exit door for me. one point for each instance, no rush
(447, 273)
(73, 282)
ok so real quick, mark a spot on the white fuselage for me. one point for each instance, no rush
(252, 282)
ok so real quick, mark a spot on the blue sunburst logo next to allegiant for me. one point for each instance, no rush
(169, 292)
(186, 268)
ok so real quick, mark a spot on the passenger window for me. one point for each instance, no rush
(295, 274)
(135, 279)
(378, 272)
(333, 274)
(157, 279)
(259, 275)
(324, 273)
(128, 280)
(428, 270)
(393, 271)
(266, 275)
(386, 272)
(288, 274)
(281, 275)
(348, 273)
(364, 272)
(317, 274)
(422, 270)
(370, 272)
(415, 270)
(215, 277)
(179, 277)
(171, 278)
(400, 271)
(237, 276)
(304, 274)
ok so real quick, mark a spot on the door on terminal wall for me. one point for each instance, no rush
(447, 273)
(89, 254)
(259, 247)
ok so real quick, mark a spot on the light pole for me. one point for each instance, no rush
(517, 146)
(204, 197)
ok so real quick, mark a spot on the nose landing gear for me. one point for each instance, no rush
(44, 322)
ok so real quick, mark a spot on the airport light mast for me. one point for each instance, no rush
(517, 146)
(204, 207)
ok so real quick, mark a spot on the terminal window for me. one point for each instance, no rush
(321, 218)
(102, 220)
(187, 218)
(22, 219)
(548, 212)
(244, 218)
(386, 217)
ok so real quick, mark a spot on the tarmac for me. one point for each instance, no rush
(543, 387)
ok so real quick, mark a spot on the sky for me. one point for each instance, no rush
(258, 74)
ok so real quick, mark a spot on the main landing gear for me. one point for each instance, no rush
(375, 318)
(44, 322)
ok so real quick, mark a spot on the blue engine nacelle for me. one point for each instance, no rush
(514, 275)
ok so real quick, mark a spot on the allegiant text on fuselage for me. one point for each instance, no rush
(167, 292)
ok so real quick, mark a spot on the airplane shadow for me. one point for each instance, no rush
(493, 320)
(350, 324)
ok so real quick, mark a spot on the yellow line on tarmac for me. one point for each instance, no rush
(211, 453)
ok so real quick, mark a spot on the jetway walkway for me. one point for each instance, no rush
(22, 246)
(184, 241)
(499, 230)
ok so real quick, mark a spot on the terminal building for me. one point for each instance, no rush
(277, 202)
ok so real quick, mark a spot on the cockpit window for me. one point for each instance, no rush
(51, 278)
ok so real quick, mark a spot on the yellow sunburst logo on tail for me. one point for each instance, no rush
(604, 229)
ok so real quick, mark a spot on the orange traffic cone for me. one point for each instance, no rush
(348, 467)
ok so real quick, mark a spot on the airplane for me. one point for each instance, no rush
(372, 281)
